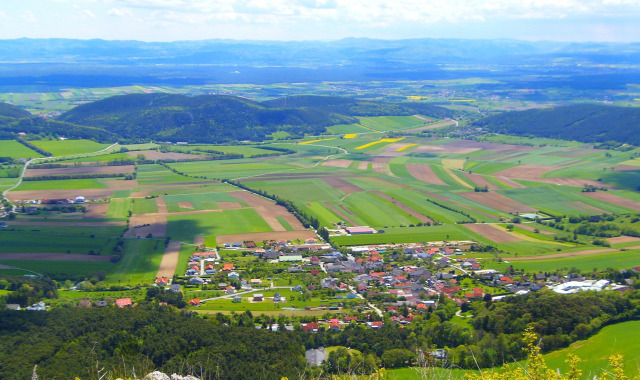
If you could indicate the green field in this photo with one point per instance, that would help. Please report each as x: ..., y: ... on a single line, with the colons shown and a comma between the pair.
x: 140, y: 262
x: 201, y: 201
x: 58, y: 239
x: 186, y: 227
x: 67, y: 184
x: 60, y: 268
x: 406, y: 235
x: 13, y: 149
x: 144, y: 206
x: 68, y: 147
x: 616, y: 260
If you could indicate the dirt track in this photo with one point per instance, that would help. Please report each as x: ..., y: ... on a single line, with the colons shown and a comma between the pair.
x: 492, y: 233
x: 169, y: 261
x: 55, y: 257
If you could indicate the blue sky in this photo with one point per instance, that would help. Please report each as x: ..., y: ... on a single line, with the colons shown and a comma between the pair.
x: 170, y: 20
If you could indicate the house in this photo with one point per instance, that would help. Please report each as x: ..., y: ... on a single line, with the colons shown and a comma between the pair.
x: 40, y: 306
x: 236, y: 244
x: 122, y: 302
x: 227, y: 267
x: 162, y: 281
x: 278, y: 298
x: 196, y: 281
x: 506, y: 280
x: 176, y: 288
x: 255, y: 281
x: 13, y: 306
x: 328, y: 282
x: 290, y: 258
x: 233, y: 276
x: 209, y: 270
x: 351, y: 295
x: 311, y: 241
x: 311, y: 326
x: 100, y: 303
x: 250, y: 244
x: 191, y: 272
x: 258, y: 297
x: 349, y: 319
x: 334, y: 326
x: 194, y: 302
x: 230, y: 290
x: 375, y: 325
x: 237, y: 298
x: 84, y: 304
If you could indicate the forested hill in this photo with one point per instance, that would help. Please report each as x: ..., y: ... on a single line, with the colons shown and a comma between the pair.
x: 583, y: 122
x: 14, y: 120
x: 213, y: 118
x: 355, y: 107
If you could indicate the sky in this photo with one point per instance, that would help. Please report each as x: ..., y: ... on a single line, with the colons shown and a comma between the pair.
x: 171, y: 20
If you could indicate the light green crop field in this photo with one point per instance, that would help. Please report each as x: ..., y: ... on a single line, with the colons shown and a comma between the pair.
x: 245, y: 150
x: 154, y: 174
x: 140, y: 262
x: 615, y: 259
x: 119, y: 208
x: 6, y: 183
x: 314, y: 189
x: 557, y: 200
x: 407, y: 235
x: 103, y: 158
x: 13, y: 149
x: 68, y: 147
x: 347, y: 129
x: 230, y: 168
x: 202, y: 201
x: 144, y: 206
x: 58, y: 239
x: 67, y: 184
x: 392, y: 123
x: 208, y: 188
x: 60, y: 268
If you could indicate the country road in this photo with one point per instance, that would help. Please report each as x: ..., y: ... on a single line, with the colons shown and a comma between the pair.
x: 26, y: 165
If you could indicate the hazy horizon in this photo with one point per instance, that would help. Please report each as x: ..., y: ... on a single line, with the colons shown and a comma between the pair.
x: 322, y: 20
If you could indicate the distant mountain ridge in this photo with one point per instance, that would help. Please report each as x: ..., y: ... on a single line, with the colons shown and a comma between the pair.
x: 582, y: 122
x: 347, y: 51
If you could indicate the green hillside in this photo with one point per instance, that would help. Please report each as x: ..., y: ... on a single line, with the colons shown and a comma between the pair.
x: 583, y: 122
x: 204, y: 118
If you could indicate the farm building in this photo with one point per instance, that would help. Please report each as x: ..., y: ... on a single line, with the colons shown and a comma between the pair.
x: 291, y: 258
x: 360, y: 230
x: 258, y: 297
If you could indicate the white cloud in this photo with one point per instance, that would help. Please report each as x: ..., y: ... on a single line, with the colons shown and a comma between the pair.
x: 119, y: 12
x: 28, y: 16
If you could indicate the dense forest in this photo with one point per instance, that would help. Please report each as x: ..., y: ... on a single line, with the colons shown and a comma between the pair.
x: 583, y: 122
x: 69, y: 342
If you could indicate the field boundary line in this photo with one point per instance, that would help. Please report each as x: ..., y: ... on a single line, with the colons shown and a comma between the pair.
x: 26, y: 165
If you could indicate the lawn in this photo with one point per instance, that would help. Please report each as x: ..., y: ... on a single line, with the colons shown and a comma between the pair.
x: 68, y: 147
x: 144, y: 206
x: 61, y: 268
x: 13, y: 149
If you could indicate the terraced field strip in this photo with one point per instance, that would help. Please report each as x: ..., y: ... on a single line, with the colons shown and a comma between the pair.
x: 509, y: 182
x: 590, y: 209
x: 526, y: 237
x: 169, y: 261
x: 456, y: 178
x: 533, y: 229
x: 405, y: 147
x: 337, y: 163
x: 369, y: 128
x: 563, y: 254
x: 432, y: 126
x: 315, y: 141
x: 481, y: 181
x: 614, y: 199
x: 365, y: 146
x: 623, y: 239
x: 340, y: 214
x: 463, y: 206
x: 364, y: 165
x: 490, y: 232
x: 382, y: 168
x: 498, y: 201
x: 342, y: 185
x: 80, y: 170
x: 268, y: 208
x: 421, y: 217
x: 65, y: 224
x: 424, y: 173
